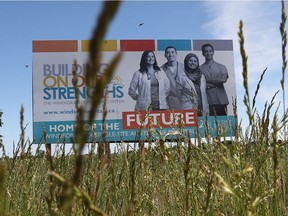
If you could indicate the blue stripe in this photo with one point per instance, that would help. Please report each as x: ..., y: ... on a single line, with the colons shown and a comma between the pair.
x: 180, y: 45
x: 63, y: 131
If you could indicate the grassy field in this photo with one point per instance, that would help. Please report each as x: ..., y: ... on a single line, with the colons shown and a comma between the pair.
x: 247, y: 176
x: 217, y: 179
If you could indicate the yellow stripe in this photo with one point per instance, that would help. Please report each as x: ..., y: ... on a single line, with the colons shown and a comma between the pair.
x: 107, y: 45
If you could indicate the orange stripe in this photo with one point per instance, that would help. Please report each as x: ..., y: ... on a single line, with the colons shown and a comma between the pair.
x: 55, y: 46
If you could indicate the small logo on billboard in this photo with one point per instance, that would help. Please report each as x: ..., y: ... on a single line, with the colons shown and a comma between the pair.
x: 115, y: 89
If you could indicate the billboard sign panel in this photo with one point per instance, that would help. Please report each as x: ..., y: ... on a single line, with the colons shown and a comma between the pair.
x: 168, y: 98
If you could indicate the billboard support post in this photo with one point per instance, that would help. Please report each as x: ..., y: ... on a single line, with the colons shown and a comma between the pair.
x: 142, y: 149
x: 162, y: 149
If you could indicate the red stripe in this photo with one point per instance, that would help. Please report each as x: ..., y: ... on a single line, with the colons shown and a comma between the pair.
x: 137, y: 45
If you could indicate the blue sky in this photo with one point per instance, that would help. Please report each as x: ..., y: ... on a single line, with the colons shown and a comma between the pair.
x: 21, y: 22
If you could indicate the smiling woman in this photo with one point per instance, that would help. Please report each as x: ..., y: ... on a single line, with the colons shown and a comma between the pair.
x: 149, y: 85
x: 193, y: 89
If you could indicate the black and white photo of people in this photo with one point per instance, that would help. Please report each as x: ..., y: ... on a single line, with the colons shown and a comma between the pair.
x: 173, y: 70
x: 149, y: 86
x: 180, y: 85
x: 216, y: 75
x: 192, y: 88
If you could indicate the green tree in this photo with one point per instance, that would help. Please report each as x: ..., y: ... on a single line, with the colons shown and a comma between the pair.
x: 1, y: 123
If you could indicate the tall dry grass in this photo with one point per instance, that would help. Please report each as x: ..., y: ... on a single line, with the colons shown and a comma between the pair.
x: 245, y: 177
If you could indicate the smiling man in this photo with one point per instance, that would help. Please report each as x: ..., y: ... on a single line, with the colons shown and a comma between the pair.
x: 172, y: 68
x: 216, y: 75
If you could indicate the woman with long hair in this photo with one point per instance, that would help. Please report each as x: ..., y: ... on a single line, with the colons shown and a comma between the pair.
x: 149, y: 85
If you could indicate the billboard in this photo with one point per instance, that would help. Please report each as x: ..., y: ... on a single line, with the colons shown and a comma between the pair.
x: 154, y: 92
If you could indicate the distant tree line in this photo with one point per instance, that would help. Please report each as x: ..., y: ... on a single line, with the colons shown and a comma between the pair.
x: 1, y: 123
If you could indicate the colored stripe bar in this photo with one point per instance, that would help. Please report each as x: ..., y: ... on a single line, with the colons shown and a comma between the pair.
x: 137, y: 45
x: 55, y: 46
x: 220, y: 45
x: 107, y: 45
x: 180, y: 45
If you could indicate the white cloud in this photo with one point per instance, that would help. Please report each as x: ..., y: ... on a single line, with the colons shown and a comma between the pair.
x: 261, y: 30
x: 262, y: 42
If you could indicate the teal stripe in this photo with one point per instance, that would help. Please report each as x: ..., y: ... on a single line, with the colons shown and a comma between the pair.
x: 180, y: 45
x: 63, y: 131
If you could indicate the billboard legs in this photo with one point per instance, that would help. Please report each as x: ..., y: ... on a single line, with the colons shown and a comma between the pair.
x: 107, y: 151
x: 162, y: 148
x: 104, y: 150
x: 142, y: 149
x: 49, y: 155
